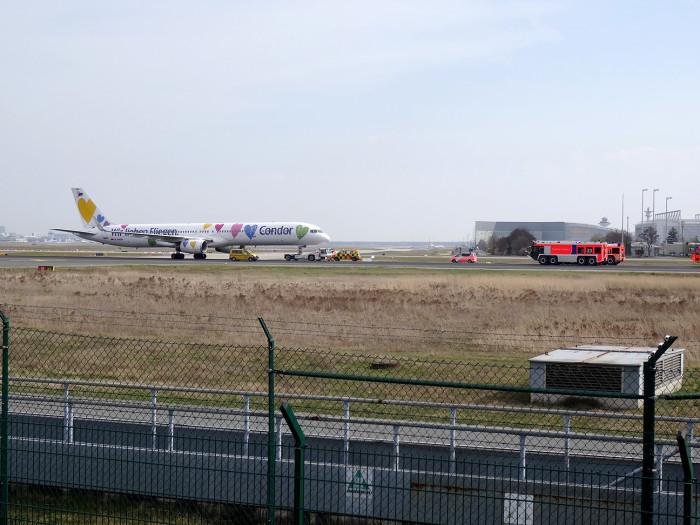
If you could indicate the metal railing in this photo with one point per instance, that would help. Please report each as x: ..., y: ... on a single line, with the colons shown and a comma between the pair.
x: 398, y: 429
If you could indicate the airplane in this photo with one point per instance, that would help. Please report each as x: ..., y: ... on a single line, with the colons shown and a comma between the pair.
x: 192, y: 238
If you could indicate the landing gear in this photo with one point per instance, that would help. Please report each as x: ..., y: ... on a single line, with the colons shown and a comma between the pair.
x: 200, y: 255
x: 177, y: 255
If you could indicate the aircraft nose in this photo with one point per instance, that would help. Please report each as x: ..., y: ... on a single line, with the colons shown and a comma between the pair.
x: 326, y: 237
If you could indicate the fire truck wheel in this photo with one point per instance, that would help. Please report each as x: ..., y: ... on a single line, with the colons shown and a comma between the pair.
x: 312, y: 257
x: 591, y: 261
x: 581, y: 260
x: 552, y: 260
x: 542, y: 259
x: 611, y: 260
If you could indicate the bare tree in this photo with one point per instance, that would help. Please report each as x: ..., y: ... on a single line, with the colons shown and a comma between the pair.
x: 650, y: 237
x: 616, y: 236
x: 516, y: 243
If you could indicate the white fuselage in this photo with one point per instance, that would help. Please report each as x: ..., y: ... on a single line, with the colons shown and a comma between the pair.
x: 216, y: 234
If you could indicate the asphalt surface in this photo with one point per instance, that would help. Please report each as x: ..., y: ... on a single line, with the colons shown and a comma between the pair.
x: 81, y: 261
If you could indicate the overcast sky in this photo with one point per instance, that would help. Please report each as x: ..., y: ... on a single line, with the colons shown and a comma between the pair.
x: 381, y: 120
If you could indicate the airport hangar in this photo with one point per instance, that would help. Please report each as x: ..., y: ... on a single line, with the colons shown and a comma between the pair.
x: 542, y: 231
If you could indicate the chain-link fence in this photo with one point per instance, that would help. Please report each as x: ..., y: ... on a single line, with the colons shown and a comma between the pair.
x: 106, y: 429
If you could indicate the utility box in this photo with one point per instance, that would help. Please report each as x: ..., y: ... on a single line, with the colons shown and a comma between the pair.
x: 614, y: 369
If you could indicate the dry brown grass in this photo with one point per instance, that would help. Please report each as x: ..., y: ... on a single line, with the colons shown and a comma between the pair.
x: 462, y: 315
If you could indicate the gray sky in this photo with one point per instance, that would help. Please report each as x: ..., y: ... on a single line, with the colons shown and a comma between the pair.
x: 381, y: 120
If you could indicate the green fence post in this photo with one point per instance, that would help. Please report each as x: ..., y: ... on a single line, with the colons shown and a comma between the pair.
x: 648, y: 470
x: 4, y: 476
x: 299, y: 448
x: 689, y: 478
x: 271, y: 424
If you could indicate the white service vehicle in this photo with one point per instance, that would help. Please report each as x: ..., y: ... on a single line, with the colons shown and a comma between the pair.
x: 320, y: 254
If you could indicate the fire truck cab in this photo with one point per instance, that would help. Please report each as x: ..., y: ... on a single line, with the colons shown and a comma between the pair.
x: 695, y: 256
x: 616, y: 252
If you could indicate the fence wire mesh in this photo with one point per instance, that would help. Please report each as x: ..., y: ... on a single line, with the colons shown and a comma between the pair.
x: 106, y: 429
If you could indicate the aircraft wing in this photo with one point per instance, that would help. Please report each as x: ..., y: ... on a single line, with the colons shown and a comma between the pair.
x: 164, y: 238
x: 75, y: 232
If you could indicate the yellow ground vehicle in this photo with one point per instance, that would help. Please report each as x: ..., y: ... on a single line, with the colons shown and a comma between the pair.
x: 241, y: 254
x: 346, y: 255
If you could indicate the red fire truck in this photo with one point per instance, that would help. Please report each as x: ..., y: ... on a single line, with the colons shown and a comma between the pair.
x: 695, y: 256
x: 567, y: 252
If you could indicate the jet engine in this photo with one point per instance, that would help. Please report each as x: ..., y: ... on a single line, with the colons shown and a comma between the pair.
x: 195, y: 246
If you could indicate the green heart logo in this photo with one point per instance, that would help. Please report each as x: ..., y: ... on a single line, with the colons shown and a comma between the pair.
x: 301, y: 231
x: 151, y: 242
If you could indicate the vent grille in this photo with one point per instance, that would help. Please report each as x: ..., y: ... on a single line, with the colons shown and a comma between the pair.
x: 584, y: 377
x: 669, y: 370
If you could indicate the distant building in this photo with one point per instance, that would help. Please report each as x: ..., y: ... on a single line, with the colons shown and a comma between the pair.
x: 687, y: 229
x: 542, y: 231
x: 2, y: 230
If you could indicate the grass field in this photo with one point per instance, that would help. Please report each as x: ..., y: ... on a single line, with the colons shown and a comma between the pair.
x: 463, y: 315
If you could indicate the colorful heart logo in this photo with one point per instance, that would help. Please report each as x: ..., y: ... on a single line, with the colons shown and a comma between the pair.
x: 192, y: 243
x: 151, y: 242
x: 236, y: 229
x: 218, y: 227
x: 86, y: 209
x: 106, y: 223
x: 207, y: 225
x: 100, y: 217
x: 250, y: 230
x: 301, y: 231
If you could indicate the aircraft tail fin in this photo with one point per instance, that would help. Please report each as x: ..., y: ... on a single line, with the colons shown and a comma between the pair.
x: 90, y: 214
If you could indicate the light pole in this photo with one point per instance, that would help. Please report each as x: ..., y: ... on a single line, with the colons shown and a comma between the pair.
x: 645, y: 189
x: 653, y: 208
x: 666, y: 228
x: 622, y: 226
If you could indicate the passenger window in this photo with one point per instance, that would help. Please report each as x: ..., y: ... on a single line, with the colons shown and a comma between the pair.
x: 597, y: 249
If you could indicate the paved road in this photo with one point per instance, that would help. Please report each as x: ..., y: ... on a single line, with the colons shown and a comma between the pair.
x: 60, y: 261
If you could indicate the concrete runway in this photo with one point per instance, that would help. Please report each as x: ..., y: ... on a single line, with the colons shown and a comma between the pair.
x: 81, y: 261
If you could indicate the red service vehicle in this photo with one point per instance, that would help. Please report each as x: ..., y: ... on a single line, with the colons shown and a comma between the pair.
x: 695, y: 256
x: 567, y: 252
x: 464, y: 257
x: 616, y: 252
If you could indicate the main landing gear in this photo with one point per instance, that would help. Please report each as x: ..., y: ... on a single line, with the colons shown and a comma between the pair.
x: 180, y: 255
